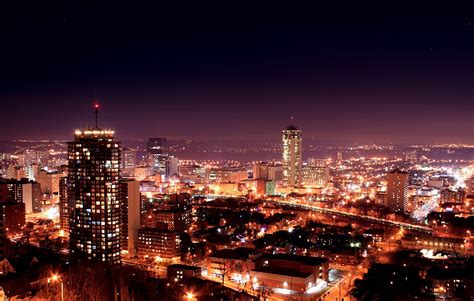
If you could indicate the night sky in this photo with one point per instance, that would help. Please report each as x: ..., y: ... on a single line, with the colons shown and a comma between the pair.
x: 348, y: 73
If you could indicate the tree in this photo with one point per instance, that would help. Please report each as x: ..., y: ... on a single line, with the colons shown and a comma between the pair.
x: 223, y: 271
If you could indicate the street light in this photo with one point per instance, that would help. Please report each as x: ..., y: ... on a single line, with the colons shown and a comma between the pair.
x: 54, y: 278
x: 190, y: 296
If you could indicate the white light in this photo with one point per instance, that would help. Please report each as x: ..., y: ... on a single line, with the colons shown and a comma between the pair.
x: 52, y: 213
x: 317, y: 288
x: 282, y: 291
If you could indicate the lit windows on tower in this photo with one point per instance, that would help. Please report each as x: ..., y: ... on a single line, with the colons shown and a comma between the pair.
x: 292, y: 140
x: 93, y: 193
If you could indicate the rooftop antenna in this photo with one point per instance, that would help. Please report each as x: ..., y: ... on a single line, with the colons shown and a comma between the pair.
x: 96, y: 109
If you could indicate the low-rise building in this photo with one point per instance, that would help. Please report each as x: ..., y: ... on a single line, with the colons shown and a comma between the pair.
x: 233, y: 264
x: 291, y: 273
x: 158, y: 243
x: 181, y: 273
x: 13, y: 216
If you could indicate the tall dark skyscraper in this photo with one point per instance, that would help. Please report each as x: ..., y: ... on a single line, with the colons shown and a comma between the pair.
x: 93, y: 192
x: 158, y: 154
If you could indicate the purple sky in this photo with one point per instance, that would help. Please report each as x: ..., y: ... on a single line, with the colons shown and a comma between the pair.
x: 346, y: 73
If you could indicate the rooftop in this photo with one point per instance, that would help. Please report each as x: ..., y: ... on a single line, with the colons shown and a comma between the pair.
x: 93, y: 132
x: 282, y: 271
x: 291, y: 128
x: 238, y: 253
x: 307, y: 260
x: 184, y: 267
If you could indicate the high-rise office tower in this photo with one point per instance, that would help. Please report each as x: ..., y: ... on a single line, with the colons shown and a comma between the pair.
x: 130, y: 198
x: 12, y: 190
x: 63, y: 205
x: 49, y: 181
x: 158, y: 154
x: 31, y: 171
x: 292, y: 139
x: 171, y: 166
x: 32, y: 197
x: 397, y: 190
x: 129, y: 161
x: 93, y: 192
x: 22, y: 191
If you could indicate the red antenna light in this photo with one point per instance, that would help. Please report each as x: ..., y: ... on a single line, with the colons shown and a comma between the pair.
x: 96, y: 107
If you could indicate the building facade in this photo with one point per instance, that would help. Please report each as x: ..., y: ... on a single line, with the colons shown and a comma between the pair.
x: 14, y: 216
x: 315, y: 173
x: 292, y: 141
x: 158, y: 154
x: 397, y: 190
x: 159, y: 244
x: 49, y: 181
x: 129, y: 161
x: 93, y: 193
x: 181, y: 273
x: 22, y: 191
x: 64, y: 205
x: 130, y: 198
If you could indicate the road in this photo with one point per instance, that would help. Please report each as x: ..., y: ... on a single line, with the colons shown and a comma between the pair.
x: 341, y: 213
x: 340, y: 289
x: 355, y: 216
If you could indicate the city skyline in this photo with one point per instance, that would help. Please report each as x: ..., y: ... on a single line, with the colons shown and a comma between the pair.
x: 393, y: 76
x: 231, y: 151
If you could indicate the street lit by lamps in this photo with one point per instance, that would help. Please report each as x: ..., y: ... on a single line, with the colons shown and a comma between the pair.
x: 54, y: 278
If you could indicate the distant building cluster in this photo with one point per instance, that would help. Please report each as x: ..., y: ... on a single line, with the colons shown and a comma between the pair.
x: 275, y: 226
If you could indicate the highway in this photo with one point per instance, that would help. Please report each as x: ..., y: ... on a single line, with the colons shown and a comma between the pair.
x: 354, y: 216
x: 335, y: 212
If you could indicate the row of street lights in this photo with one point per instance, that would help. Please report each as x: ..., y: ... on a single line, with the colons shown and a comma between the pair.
x: 55, y: 277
